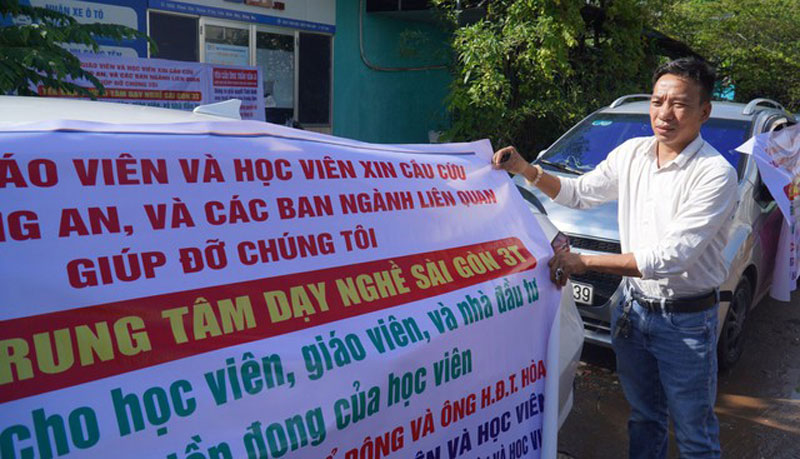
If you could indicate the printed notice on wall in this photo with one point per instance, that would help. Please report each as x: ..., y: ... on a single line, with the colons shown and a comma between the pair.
x: 171, y: 84
x: 231, y: 290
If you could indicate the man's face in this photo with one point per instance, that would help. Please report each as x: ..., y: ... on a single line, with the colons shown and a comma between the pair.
x: 677, y: 111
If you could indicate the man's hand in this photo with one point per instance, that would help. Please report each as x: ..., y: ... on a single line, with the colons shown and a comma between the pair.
x: 565, y: 264
x: 509, y: 160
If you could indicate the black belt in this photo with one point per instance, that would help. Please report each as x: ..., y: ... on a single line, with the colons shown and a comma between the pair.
x: 686, y: 304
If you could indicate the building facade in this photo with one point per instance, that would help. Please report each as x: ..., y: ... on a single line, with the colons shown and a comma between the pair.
x: 390, y: 81
x: 364, y: 69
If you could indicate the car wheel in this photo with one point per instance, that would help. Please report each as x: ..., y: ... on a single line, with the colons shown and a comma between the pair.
x: 731, y: 340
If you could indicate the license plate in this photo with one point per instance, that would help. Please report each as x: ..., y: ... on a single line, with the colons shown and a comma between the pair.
x: 583, y: 293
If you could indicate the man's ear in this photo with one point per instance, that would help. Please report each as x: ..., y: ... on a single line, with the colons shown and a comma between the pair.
x: 706, y: 110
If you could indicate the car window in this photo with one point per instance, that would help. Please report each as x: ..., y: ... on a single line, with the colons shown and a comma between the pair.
x: 591, y: 141
x: 725, y: 136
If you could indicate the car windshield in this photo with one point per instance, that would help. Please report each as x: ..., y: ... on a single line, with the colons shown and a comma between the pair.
x: 591, y: 141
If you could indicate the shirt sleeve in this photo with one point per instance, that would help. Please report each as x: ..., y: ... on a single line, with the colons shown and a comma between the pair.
x: 595, y: 187
x: 695, y: 226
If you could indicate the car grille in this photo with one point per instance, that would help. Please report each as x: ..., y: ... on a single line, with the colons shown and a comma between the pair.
x: 604, y: 285
x: 598, y: 326
x: 594, y: 244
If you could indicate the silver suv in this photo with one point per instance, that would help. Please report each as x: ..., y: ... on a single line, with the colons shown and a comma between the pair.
x: 753, y: 232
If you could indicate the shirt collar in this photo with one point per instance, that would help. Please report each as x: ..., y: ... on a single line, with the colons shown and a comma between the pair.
x: 685, y: 155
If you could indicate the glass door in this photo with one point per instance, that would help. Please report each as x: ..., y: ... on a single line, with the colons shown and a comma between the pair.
x: 225, y: 43
x: 275, y: 55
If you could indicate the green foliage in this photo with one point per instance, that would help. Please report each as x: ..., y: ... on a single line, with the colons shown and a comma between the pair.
x: 529, y: 69
x: 754, y: 44
x: 32, y: 53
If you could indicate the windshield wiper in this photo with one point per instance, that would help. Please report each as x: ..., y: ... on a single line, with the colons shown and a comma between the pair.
x: 560, y: 167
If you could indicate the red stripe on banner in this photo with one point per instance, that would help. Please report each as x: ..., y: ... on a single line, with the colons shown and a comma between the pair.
x: 61, y: 349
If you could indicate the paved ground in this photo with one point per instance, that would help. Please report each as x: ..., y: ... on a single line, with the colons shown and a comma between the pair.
x: 758, y: 403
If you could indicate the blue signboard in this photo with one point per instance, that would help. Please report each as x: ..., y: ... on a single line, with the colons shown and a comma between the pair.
x: 131, y: 13
x: 236, y: 15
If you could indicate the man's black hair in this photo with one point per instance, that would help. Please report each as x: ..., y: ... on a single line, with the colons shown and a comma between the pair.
x: 692, y: 69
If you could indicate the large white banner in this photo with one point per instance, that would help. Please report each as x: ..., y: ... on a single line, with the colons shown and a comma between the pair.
x: 230, y: 290
x: 777, y: 155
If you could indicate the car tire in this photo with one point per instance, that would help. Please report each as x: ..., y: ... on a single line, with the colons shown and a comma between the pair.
x: 731, y: 339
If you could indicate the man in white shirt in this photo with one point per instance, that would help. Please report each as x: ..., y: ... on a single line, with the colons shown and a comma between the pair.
x: 675, y: 194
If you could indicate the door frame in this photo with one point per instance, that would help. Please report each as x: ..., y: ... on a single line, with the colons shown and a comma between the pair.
x: 206, y: 21
x: 295, y: 34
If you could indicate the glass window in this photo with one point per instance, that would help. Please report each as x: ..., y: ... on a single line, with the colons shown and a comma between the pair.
x: 596, y: 136
x: 397, y: 5
x: 227, y: 45
x: 275, y: 57
x: 315, y: 79
x: 176, y: 36
x: 382, y: 5
x: 725, y: 136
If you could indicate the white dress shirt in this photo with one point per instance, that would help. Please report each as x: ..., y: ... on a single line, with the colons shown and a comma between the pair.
x: 673, y: 218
